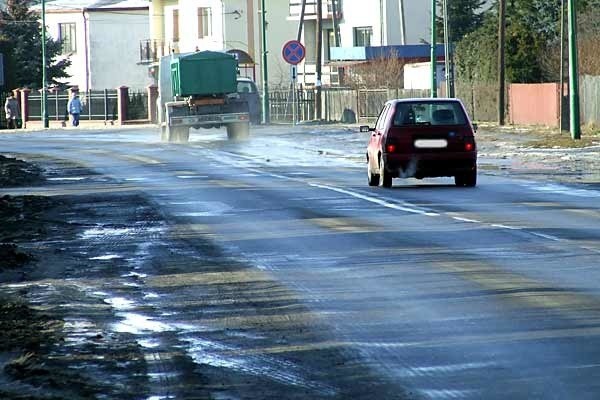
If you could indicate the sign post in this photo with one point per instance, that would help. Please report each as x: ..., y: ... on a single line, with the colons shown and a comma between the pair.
x: 293, y: 53
x: 294, y: 76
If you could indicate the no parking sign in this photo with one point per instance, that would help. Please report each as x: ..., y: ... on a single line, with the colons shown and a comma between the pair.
x: 293, y: 52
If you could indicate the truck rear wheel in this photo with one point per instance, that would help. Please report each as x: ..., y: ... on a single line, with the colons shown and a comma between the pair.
x: 163, y: 134
x: 238, y: 130
x: 179, y: 134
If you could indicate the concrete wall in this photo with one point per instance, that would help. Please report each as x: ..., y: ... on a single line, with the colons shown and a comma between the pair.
x: 418, y: 20
x: 355, y: 15
x: 114, y: 40
x: 534, y: 104
x: 109, y: 57
x: 236, y: 25
x: 77, y: 70
x: 590, y: 95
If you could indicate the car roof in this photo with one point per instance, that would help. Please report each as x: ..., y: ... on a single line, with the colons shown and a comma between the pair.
x: 426, y: 100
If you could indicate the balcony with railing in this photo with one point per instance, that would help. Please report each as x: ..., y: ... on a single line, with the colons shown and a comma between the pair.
x: 151, y: 50
x: 310, y: 10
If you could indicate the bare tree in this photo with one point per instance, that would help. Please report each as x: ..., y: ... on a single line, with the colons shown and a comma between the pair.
x: 387, y: 72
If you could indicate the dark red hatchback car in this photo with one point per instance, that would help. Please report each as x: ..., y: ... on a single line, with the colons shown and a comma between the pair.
x: 420, y: 138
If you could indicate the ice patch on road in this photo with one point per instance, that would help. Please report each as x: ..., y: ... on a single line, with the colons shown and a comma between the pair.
x: 99, y: 232
x: 447, y: 394
x: 73, y: 178
x: 137, y: 324
x: 564, y: 190
x: 106, y: 257
x: 120, y: 303
x: 206, y: 352
x: 442, y: 369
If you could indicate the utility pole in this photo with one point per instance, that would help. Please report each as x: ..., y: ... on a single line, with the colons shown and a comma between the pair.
x: 265, y: 73
x: 319, y: 46
x: 433, y: 50
x: 336, y: 28
x: 447, y: 51
x: 301, y: 23
x: 501, y: 61
x: 402, y: 22
x: 44, y: 68
x: 573, y: 73
x: 563, y: 126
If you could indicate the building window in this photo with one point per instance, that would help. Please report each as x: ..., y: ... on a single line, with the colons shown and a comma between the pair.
x: 66, y: 36
x: 204, y: 22
x: 362, y: 36
x: 175, y: 25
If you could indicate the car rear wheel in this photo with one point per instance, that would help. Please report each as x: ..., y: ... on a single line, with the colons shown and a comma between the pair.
x: 372, y: 178
x: 385, y: 177
x: 468, y: 179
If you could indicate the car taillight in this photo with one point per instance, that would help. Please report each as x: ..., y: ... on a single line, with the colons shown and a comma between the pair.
x: 390, y: 148
x: 469, y: 146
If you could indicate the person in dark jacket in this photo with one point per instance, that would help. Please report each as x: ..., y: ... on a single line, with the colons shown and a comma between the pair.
x: 74, y: 108
x: 11, y: 109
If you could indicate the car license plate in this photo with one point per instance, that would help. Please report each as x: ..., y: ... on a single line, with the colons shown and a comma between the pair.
x: 431, y: 143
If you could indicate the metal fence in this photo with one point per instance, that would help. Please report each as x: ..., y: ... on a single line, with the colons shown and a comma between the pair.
x: 98, y: 105
x: 3, y: 97
x: 337, y: 103
x: 137, y: 106
x: 480, y: 99
x: 590, y: 99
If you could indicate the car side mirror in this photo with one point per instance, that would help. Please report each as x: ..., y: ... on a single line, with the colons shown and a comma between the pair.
x: 475, y: 127
x: 366, y: 128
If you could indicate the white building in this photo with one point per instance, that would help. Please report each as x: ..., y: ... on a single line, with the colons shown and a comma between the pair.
x: 101, y: 38
x: 182, y: 26
x: 361, y: 24
x: 378, y: 24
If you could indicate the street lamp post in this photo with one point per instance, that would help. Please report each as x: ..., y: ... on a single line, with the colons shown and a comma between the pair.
x: 44, y: 63
x: 265, y: 74
x: 501, y: 61
x: 433, y: 50
x: 447, y: 65
x: 573, y: 73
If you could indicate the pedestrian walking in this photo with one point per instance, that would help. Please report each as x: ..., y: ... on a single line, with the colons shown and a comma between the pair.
x: 74, y: 108
x: 11, y: 109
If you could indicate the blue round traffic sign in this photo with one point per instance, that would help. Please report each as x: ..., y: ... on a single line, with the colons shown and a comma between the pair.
x: 293, y: 52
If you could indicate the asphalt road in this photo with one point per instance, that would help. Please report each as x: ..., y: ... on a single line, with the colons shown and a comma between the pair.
x: 434, y: 291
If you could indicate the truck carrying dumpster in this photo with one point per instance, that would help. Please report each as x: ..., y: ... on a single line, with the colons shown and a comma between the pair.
x: 200, y: 90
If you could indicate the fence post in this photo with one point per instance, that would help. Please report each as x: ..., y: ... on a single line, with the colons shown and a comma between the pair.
x: 152, y: 107
x: 55, y: 90
x: 105, y: 106
x: 358, y: 113
x: 25, y: 106
x: 89, y: 104
x: 122, y: 99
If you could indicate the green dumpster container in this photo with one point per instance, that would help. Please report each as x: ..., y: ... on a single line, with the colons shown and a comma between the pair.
x: 204, y: 73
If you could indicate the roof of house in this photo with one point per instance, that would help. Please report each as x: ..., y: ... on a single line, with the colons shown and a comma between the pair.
x: 70, y: 5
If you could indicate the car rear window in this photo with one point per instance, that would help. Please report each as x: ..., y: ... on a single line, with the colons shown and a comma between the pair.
x: 429, y: 113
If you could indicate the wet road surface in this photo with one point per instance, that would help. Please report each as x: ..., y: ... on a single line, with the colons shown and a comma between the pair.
x: 272, y: 258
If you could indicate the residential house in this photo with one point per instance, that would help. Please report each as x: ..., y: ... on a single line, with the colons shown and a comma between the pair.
x: 360, y: 26
x: 179, y: 26
x: 101, y: 37
x: 383, y: 23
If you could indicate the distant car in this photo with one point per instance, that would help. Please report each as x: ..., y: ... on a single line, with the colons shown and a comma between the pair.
x: 422, y: 138
x: 248, y: 91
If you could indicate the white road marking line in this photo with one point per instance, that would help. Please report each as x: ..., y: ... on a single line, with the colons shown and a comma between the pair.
x: 501, y: 226
x: 376, y: 200
x: 549, y: 237
x: 473, y: 221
